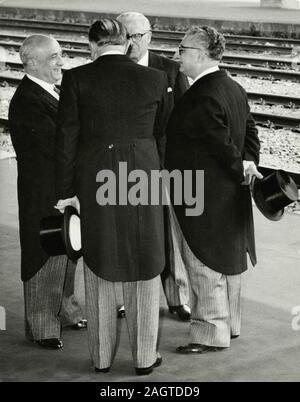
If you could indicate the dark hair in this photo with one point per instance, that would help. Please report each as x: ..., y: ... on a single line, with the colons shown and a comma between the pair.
x: 107, y: 31
x: 212, y: 40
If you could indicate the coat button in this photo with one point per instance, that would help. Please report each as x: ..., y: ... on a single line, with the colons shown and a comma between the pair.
x: 111, y: 146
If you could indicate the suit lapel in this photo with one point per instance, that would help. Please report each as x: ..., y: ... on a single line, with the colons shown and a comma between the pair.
x: 41, y: 92
x: 155, y: 61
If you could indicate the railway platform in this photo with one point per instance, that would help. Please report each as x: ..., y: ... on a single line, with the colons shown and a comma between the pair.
x: 268, y: 350
x: 243, y: 16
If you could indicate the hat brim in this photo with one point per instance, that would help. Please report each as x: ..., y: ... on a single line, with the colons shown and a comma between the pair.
x: 262, y: 204
x: 70, y: 251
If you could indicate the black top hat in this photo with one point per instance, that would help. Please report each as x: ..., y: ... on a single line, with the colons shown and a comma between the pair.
x: 61, y: 234
x: 273, y: 193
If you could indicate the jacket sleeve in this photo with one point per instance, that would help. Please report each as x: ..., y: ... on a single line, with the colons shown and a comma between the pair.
x: 252, y: 143
x: 207, y: 124
x: 67, y: 136
x: 161, y: 119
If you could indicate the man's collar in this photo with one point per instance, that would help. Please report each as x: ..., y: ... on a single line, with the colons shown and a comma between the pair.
x: 206, y: 72
x: 144, y: 60
x: 45, y: 85
x: 111, y: 52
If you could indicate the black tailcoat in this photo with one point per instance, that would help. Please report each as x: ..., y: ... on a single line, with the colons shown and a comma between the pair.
x: 32, y: 121
x: 211, y: 129
x: 111, y: 111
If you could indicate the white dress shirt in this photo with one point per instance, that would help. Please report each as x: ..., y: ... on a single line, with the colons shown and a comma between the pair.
x: 45, y: 85
x: 109, y: 52
x: 144, y: 60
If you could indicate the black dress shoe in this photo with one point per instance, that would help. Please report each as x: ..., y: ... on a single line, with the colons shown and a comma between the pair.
x: 235, y: 336
x: 82, y: 324
x: 52, y: 343
x: 104, y: 370
x: 148, y: 370
x: 121, y: 312
x: 195, y: 348
x: 183, y: 312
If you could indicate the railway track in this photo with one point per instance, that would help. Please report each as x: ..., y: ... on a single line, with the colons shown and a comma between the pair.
x: 263, y: 119
x: 259, y: 98
x: 233, y: 69
x: 171, y: 37
x: 73, y: 48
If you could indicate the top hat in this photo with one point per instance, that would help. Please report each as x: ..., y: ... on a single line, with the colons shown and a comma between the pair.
x: 273, y: 193
x: 60, y: 234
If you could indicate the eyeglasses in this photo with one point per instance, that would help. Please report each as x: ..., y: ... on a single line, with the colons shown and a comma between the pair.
x: 182, y: 48
x: 137, y: 37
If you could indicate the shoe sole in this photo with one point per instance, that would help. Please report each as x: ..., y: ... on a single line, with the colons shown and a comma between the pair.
x: 202, y: 352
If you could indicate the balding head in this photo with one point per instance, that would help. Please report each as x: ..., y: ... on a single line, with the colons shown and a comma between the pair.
x: 139, y: 32
x: 41, y: 57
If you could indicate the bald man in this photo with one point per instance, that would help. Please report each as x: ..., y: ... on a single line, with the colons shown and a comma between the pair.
x: 48, y: 281
x: 174, y: 279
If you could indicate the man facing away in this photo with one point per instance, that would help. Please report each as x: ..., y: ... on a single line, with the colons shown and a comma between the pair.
x: 48, y: 281
x: 174, y: 279
x: 212, y: 130
x: 114, y: 111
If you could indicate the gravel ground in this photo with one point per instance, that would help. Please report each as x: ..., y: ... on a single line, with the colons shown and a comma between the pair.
x: 277, y: 110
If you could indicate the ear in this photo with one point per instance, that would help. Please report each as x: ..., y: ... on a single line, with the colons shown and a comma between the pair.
x: 32, y: 64
x: 149, y: 36
x: 200, y: 56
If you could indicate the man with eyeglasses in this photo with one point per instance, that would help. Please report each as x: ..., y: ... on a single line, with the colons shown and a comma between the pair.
x: 139, y: 35
x: 212, y: 130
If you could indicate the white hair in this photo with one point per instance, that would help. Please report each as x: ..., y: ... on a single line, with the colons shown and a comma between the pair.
x: 28, y: 49
x: 133, y: 16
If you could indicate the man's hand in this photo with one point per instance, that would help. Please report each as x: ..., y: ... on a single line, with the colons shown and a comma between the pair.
x: 62, y: 204
x: 250, y: 171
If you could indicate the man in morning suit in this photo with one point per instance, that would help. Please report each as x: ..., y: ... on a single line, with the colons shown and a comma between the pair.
x: 48, y: 281
x: 114, y: 111
x: 174, y: 279
x: 211, y: 129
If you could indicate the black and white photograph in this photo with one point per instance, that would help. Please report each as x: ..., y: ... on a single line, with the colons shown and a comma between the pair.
x: 149, y: 194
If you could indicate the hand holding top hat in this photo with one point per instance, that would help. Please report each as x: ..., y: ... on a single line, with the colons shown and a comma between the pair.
x: 250, y: 172
x: 73, y: 202
x: 273, y: 193
x: 61, y: 235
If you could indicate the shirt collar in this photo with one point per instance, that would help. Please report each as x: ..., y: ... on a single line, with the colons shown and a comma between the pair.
x: 144, y: 60
x: 110, y: 52
x: 45, y: 85
x: 206, y: 72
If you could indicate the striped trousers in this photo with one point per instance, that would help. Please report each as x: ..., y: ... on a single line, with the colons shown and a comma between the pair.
x: 49, y: 299
x: 141, y: 301
x: 174, y: 277
x: 215, y: 298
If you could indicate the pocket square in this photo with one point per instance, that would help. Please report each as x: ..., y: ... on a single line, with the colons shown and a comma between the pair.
x: 170, y: 89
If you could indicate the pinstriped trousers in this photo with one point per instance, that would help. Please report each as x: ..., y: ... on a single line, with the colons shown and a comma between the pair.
x: 50, y: 301
x: 174, y: 277
x: 215, y: 298
x: 141, y: 301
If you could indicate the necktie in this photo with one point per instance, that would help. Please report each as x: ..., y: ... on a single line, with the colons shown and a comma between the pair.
x: 55, y: 89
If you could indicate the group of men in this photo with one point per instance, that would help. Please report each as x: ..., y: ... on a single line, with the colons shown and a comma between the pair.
x: 131, y: 105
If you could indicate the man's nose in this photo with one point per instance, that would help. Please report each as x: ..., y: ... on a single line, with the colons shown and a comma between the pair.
x: 60, y: 61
